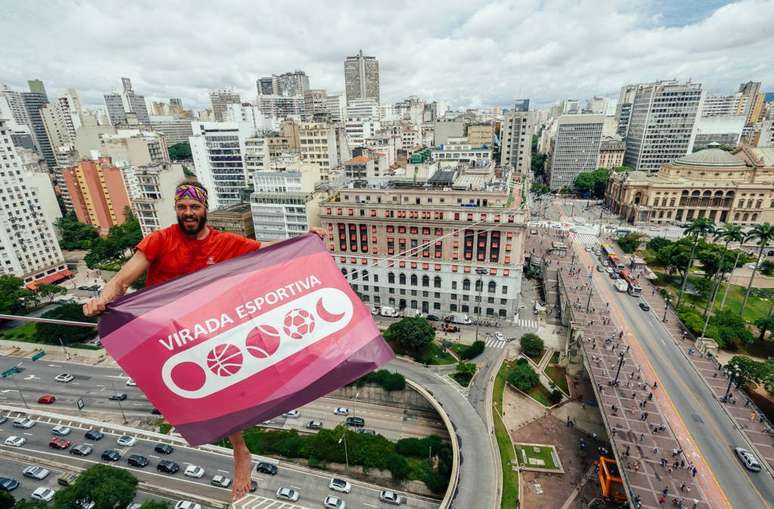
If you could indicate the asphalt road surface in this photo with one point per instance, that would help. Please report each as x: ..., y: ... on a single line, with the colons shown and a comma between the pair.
x: 712, y: 431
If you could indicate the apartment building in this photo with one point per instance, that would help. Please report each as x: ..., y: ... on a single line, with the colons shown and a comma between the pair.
x: 234, y: 219
x: 154, y: 201
x: 317, y: 141
x: 575, y: 148
x: 611, y: 152
x: 516, y: 140
x: 98, y: 193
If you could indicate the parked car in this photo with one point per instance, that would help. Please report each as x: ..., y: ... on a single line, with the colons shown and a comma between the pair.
x: 266, y: 468
x: 46, y: 399
x: 95, y: 435
x: 126, y: 441
x: 356, y: 422
x: 66, y: 479
x: 61, y: 430
x: 365, y: 431
x: 130, y: 383
x: 390, y: 497
x: 64, y: 378
x: 8, y: 484
x: 3, y: 419
x: 59, y: 443
x: 289, y: 494
x: 168, y: 467
x: 35, y: 472
x: 111, y: 455
x: 119, y: 396
x: 314, y: 425
x: 163, y: 448
x: 292, y: 414
x: 43, y: 494
x: 23, y: 422
x: 138, y: 460
x: 187, y: 504
x: 334, y: 503
x: 14, y: 441
x: 194, y: 471
x: 341, y: 411
x: 221, y: 481
x: 85, y: 503
x: 433, y: 318
x: 340, y: 485
x: 748, y: 459
x: 81, y: 450
x: 644, y: 306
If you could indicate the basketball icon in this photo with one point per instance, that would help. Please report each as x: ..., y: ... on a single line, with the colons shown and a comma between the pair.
x: 298, y: 323
x: 262, y: 341
x: 224, y: 360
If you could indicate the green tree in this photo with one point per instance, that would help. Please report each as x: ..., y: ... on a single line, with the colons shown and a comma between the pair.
x: 50, y: 332
x: 108, y: 487
x: 764, y: 324
x: 767, y: 267
x: 731, y: 329
x: 531, y: 345
x: 555, y: 396
x: 539, y: 188
x: 29, y: 504
x: 6, y: 500
x: 118, y: 244
x: 411, y: 335
x: 473, y: 350
x: 522, y: 376
x: 656, y: 244
x: 696, y: 229
x: 674, y: 257
x: 154, y: 504
x: 14, y: 297
x: 763, y: 235
x: 74, y: 234
x: 592, y: 183
x: 398, y: 466
x: 630, y: 242
x: 180, y: 151
x: 729, y: 233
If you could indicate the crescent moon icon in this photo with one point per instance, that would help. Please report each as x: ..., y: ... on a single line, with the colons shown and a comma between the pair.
x: 325, y: 315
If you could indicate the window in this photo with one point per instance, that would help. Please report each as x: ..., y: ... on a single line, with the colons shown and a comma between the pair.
x: 504, y: 289
x: 425, y: 281
x: 390, y: 278
x: 402, y: 278
x: 466, y: 284
x: 479, y: 285
x: 492, y: 287
x: 413, y: 280
x: 437, y: 282
x: 454, y: 285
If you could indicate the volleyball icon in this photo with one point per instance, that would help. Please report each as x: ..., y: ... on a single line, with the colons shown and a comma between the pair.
x: 298, y: 323
x: 224, y: 360
x: 262, y: 341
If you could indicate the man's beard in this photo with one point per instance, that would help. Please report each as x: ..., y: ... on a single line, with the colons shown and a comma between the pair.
x: 192, y: 230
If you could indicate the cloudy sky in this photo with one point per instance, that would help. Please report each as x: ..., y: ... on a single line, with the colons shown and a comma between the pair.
x: 465, y: 52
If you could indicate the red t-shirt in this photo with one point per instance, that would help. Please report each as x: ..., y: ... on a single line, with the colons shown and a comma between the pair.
x: 172, y: 253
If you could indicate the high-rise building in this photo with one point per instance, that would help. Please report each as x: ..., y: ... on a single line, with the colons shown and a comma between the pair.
x: 220, y: 99
x: 175, y: 130
x: 132, y: 108
x: 336, y: 106
x: 597, y: 105
x: 317, y: 141
x: 448, y: 128
x: 516, y: 140
x: 98, y: 193
x: 662, y: 125
x: 288, y: 84
x: 133, y: 147
x: 281, y: 106
x: 60, y: 131
x: 623, y: 108
x: 218, y: 150
x: 314, y: 102
x: 16, y: 106
x: 267, y: 86
x: 361, y: 77
x: 576, y: 148
x: 236, y: 219
x: 28, y: 246
x: 115, y: 109
x: 34, y: 100
x: 723, y: 105
x: 153, y: 202
x: 755, y: 101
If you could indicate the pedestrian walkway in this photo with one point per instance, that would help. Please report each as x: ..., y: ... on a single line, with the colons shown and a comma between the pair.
x: 527, y: 323
x: 586, y: 239
x: 496, y: 343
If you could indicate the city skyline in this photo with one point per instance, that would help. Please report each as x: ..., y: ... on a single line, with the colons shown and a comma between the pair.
x: 479, y: 55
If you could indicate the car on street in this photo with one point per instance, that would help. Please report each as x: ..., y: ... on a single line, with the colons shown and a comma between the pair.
x: 126, y: 441
x: 46, y: 399
x: 134, y: 505
x: 15, y: 441
x: 3, y: 419
x: 366, y: 431
x: 292, y: 414
x: 341, y: 411
x: 35, y: 472
x: 499, y: 336
x: 23, y: 422
x: 194, y: 471
x: 138, y: 460
x: 340, y: 485
x: 168, y: 467
x: 81, y: 450
x: 644, y: 306
x: 95, y: 435
x: 433, y: 318
x: 187, y: 504
x: 600, y: 268
x: 43, y: 494
x: 314, y: 425
x: 61, y: 430
x: 8, y: 484
x: 119, y: 396
x: 748, y: 459
x: 334, y: 503
x: 59, y: 443
x: 163, y: 448
x: 130, y: 383
x: 355, y: 422
x: 111, y: 455
x: 289, y: 494
x: 66, y: 479
x: 390, y: 497
x: 221, y: 481
x: 266, y: 468
x: 64, y: 378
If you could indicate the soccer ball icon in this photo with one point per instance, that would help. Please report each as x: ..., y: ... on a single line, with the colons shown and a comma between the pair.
x: 298, y: 323
x: 224, y: 360
x: 262, y: 341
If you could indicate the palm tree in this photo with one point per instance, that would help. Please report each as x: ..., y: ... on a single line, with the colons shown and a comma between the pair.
x: 730, y: 233
x: 764, y: 233
x: 698, y: 228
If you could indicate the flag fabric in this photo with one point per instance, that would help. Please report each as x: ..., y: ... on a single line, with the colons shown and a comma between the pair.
x: 245, y: 340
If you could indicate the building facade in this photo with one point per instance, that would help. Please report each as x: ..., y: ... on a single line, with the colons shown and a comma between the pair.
x: 218, y: 149
x: 33, y: 102
x: 154, y: 201
x: 576, y: 148
x: 361, y: 77
x: 175, y: 130
x: 726, y: 187
x: 234, y: 219
x: 317, y: 141
x: 98, y: 193
x: 127, y: 107
x: 220, y: 99
x: 611, y: 152
x: 421, y: 249
x: 314, y: 102
x: 516, y: 140
x: 481, y: 134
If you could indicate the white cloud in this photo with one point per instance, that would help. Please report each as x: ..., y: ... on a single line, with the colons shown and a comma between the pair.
x: 467, y: 53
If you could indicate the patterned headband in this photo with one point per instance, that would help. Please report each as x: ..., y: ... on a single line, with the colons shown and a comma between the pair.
x: 192, y: 192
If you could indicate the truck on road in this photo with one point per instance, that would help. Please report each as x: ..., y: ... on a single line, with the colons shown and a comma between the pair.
x: 388, y: 311
x: 621, y: 285
x: 459, y: 318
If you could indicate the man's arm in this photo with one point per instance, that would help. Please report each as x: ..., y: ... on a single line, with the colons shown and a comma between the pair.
x: 116, y: 287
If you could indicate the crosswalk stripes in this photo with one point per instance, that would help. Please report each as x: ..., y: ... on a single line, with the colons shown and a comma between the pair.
x: 587, y: 239
x: 526, y: 323
x: 495, y: 343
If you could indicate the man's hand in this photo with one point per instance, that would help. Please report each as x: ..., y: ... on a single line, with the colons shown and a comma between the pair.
x: 320, y: 232
x: 95, y: 306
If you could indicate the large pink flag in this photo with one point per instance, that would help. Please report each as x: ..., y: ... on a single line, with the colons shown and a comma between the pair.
x: 244, y: 340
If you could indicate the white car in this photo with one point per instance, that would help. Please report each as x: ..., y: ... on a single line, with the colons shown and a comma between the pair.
x: 15, y: 441
x: 390, y: 497
x: 221, y: 481
x: 340, y: 485
x: 35, y: 472
x: 131, y: 383
x: 23, y: 422
x: 334, y: 503
x: 292, y: 413
x: 341, y: 411
x: 61, y: 430
x: 126, y: 441
x: 194, y: 471
x: 499, y: 336
x: 43, y: 494
x: 187, y: 504
x: 134, y: 505
x: 288, y: 494
x: 64, y: 378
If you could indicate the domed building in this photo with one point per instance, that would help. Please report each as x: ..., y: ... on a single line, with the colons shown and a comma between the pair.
x: 727, y: 187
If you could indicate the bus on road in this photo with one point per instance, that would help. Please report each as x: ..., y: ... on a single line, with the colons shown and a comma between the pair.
x: 635, y: 290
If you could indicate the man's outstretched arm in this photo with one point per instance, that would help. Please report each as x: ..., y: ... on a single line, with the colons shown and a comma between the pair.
x: 117, y: 286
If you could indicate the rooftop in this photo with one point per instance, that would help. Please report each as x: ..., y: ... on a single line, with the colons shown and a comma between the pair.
x: 712, y: 157
x: 358, y: 160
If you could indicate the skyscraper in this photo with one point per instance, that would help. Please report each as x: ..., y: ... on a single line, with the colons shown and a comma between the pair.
x: 516, y: 138
x: 288, y: 84
x: 16, y: 105
x: 121, y: 107
x: 361, y: 77
x: 662, y: 124
x: 576, y: 148
x: 220, y: 99
x: 623, y: 109
x: 33, y: 101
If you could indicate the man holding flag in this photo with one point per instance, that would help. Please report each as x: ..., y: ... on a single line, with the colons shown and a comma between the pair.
x: 181, y: 249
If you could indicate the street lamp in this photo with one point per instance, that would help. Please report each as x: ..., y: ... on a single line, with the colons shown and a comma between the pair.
x: 480, y: 271
x: 620, y: 363
x: 667, y: 302
x: 120, y: 406
x: 346, y: 454
x: 61, y: 343
x: 732, y: 372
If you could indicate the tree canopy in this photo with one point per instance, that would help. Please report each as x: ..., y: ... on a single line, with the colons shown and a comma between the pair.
x: 50, y: 332
x: 14, y: 297
x: 522, y: 376
x: 531, y: 345
x: 592, y: 183
x: 108, y: 487
x: 411, y: 335
x: 180, y: 151
x: 121, y: 239
x: 630, y: 242
x: 75, y: 235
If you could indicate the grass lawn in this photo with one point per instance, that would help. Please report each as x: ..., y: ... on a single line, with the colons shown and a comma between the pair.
x: 557, y: 374
x: 458, y: 348
x: 540, y: 394
x: 535, y: 452
x: 436, y: 355
x: 510, y: 478
x: 554, y: 358
x: 25, y: 332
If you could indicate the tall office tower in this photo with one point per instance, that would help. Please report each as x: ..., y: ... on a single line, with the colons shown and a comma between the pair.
x: 367, y: 109
x: 293, y: 83
x: 33, y: 101
x: 220, y: 99
x: 576, y: 148
x: 521, y: 105
x: 60, y: 131
x: 127, y: 107
x: 662, y: 125
x: 754, y: 107
x: 176, y: 105
x: 218, y: 150
x: 597, y: 105
x: 623, y: 109
x: 115, y: 109
x: 15, y: 103
x: 98, y: 193
x: 516, y: 140
x: 361, y: 77
x: 281, y: 106
x: 336, y: 106
x: 28, y: 246
x: 314, y: 102
x: 267, y: 85
x: 318, y: 145
x: 723, y: 105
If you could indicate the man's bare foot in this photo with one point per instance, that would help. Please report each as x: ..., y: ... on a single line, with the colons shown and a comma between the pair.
x: 242, y: 466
